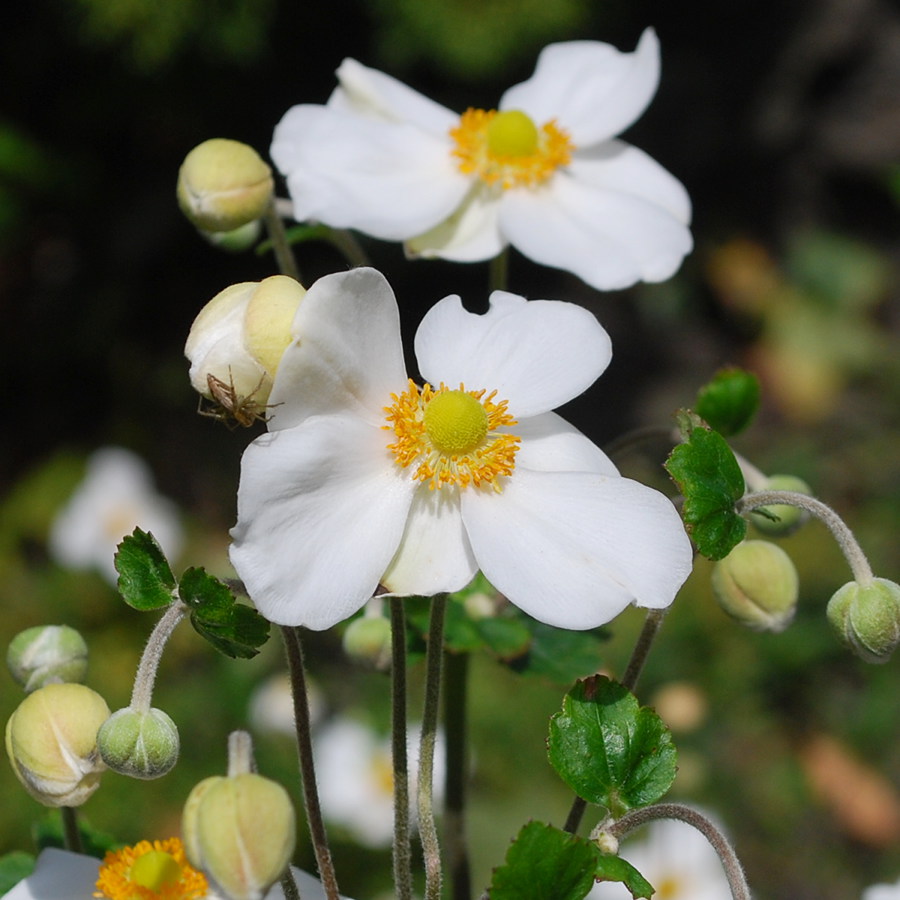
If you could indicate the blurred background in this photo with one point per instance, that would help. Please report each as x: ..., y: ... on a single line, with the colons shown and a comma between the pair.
x: 782, y: 120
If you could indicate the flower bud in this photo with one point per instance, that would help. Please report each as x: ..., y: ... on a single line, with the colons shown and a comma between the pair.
x: 757, y: 584
x: 47, y: 654
x: 240, y: 830
x: 239, y: 337
x: 867, y: 618
x: 51, y: 739
x: 224, y: 184
x: 139, y: 744
x: 367, y: 640
x: 790, y: 518
x: 237, y: 240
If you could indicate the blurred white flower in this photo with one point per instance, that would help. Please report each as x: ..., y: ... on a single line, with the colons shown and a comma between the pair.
x: 355, y: 775
x: 272, y: 705
x: 116, y: 495
x: 677, y: 860
x: 544, y: 172
x: 882, y: 892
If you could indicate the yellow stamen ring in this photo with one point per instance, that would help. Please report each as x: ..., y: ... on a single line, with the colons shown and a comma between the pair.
x: 451, y: 436
x: 150, y: 871
x: 508, y: 149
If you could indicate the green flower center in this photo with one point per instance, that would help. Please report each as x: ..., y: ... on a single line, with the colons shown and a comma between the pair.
x: 456, y: 422
x: 155, y: 870
x: 512, y: 133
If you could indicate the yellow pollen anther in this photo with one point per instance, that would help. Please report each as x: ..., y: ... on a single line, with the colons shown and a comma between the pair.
x: 451, y: 436
x: 157, y: 871
x: 508, y: 149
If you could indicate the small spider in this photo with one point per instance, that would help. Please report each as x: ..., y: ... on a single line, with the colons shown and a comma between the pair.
x: 230, y: 407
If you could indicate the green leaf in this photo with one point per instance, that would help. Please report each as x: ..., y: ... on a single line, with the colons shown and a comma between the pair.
x: 13, y: 868
x: 560, y: 655
x: 545, y: 863
x: 614, y: 868
x: 710, y: 479
x: 145, y: 577
x: 609, y: 749
x: 729, y: 402
x: 232, y: 628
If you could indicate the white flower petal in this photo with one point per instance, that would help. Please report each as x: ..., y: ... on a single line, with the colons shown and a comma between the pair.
x: 537, y: 354
x: 434, y: 554
x: 58, y: 875
x: 609, y: 239
x: 392, y: 180
x: 551, y: 444
x: 470, y: 234
x: 321, y: 509
x: 574, y: 549
x: 347, y: 355
x: 372, y: 93
x: 593, y: 90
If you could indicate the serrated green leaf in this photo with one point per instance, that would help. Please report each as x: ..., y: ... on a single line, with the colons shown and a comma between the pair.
x: 710, y: 479
x: 545, y: 863
x: 609, y: 749
x: 614, y: 868
x: 729, y: 401
x: 145, y: 577
x: 232, y: 628
x: 13, y: 868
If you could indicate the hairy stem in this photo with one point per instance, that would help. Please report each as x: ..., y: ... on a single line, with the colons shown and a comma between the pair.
x: 456, y: 672
x: 145, y: 677
x: 402, y: 851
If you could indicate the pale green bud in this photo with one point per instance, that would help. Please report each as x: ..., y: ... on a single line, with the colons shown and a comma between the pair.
x: 757, y: 584
x: 240, y: 831
x: 51, y: 740
x: 239, y: 337
x: 867, y: 618
x: 224, y: 184
x: 47, y: 654
x: 238, y: 240
x: 367, y: 640
x: 139, y: 744
x: 790, y: 518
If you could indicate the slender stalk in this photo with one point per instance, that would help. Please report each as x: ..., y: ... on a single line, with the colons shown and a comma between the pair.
x: 425, y: 796
x: 856, y: 559
x: 402, y: 850
x: 287, y: 265
x: 71, y: 834
x: 456, y: 680
x: 350, y: 248
x: 733, y: 870
x: 639, y: 655
x: 289, y: 886
x: 240, y: 754
x: 498, y: 274
x: 294, y: 651
x: 145, y: 677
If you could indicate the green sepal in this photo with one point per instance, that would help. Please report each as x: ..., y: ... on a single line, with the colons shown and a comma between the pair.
x: 145, y: 577
x: 546, y: 863
x: 232, y: 628
x: 709, y: 477
x: 729, y: 401
x: 610, y: 750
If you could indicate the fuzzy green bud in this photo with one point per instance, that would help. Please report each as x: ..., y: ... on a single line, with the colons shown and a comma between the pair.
x: 757, y: 584
x: 240, y: 831
x: 867, y: 618
x: 51, y: 740
x: 367, y: 640
x: 223, y: 184
x: 139, y: 744
x: 790, y: 518
x: 47, y: 654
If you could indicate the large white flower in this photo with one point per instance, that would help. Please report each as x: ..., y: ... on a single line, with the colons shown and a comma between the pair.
x: 366, y: 479
x: 882, y: 892
x: 544, y: 172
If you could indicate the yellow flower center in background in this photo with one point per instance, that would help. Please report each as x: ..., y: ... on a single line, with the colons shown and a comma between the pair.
x: 157, y: 871
x: 451, y: 437
x: 508, y: 149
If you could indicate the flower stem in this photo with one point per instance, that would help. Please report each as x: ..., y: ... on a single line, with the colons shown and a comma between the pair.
x: 294, y: 651
x: 733, y: 870
x: 425, y: 800
x: 289, y: 886
x: 498, y: 274
x: 856, y: 559
x: 287, y: 265
x: 240, y: 754
x: 145, y: 677
x: 71, y: 834
x: 350, y: 248
x: 402, y: 851
x: 456, y: 672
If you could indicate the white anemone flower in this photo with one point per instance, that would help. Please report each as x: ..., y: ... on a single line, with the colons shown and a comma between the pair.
x: 366, y: 479
x: 544, y: 172
x: 116, y: 495
x: 677, y: 860
x: 882, y: 892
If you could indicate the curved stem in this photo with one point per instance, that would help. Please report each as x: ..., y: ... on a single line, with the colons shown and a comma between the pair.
x: 856, y: 559
x: 402, y: 851
x: 287, y: 265
x: 427, y: 829
x: 456, y: 672
x: 145, y: 677
x: 732, y: 866
x: 294, y: 651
